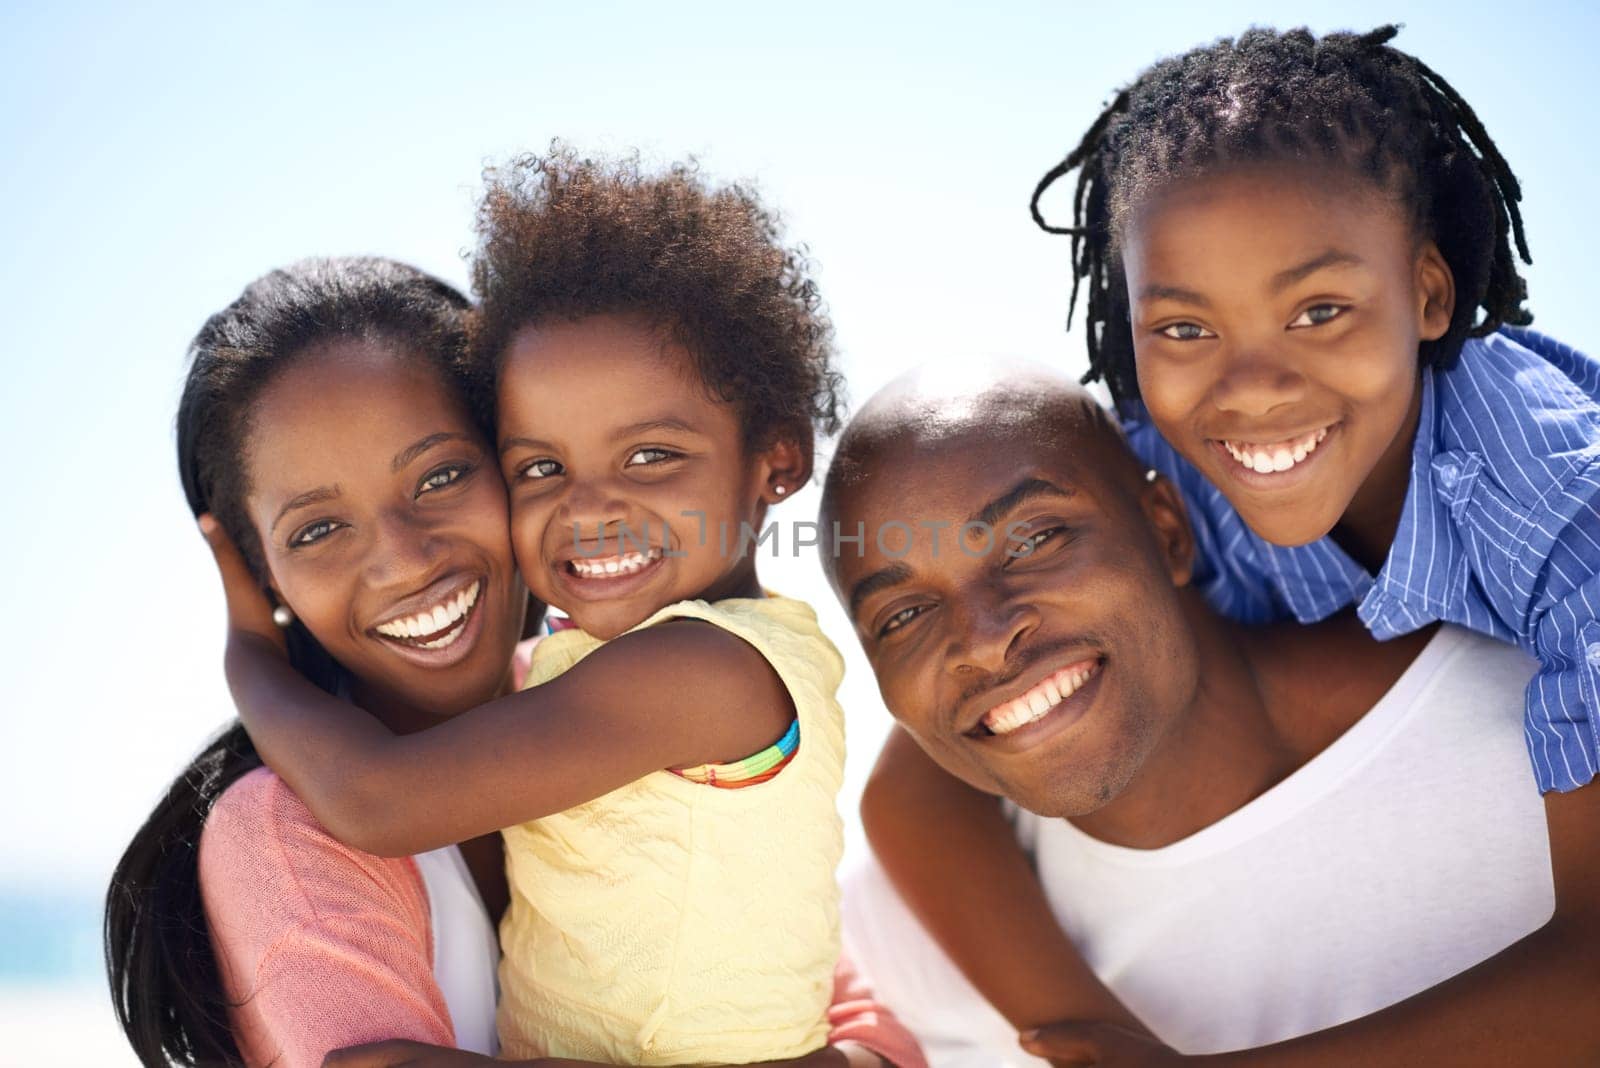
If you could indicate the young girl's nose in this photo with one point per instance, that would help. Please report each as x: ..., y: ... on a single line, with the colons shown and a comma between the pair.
x: 591, y: 509
x: 1255, y: 382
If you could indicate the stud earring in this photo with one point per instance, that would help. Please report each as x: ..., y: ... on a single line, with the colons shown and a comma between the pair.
x: 283, y: 617
x: 780, y: 490
x: 1151, y: 475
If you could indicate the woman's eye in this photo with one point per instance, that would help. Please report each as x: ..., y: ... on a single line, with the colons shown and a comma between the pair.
x: 1318, y: 314
x: 900, y: 619
x: 443, y: 477
x: 541, y: 469
x: 650, y: 456
x: 312, y: 533
x: 1185, y: 332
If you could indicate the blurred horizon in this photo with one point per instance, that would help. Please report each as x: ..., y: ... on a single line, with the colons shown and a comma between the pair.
x: 160, y: 158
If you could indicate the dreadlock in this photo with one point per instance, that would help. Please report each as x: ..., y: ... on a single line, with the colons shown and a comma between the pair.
x: 1349, y: 98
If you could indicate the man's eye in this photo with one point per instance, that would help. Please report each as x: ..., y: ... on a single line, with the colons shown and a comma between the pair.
x: 541, y: 469
x: 443, y: 477
x: 1027, y: 544
x: 312, y: 533
x: 651, y: 456
x: 1318, y: 314
x: 900, y: 619
x: 1185, y: 332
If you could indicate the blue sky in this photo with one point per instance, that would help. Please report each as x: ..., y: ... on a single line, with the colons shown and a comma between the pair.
x: 157, y: 157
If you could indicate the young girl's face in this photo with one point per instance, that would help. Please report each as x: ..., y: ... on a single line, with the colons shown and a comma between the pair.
x: 382, y: 519
x: 629, y: 483
x: 1276, y: 314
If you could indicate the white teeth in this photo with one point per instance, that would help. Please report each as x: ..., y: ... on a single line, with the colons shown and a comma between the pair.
x: 1037, y: 702
x: 626, y: 564
x: 435, y: 620
x: 1280, y: 456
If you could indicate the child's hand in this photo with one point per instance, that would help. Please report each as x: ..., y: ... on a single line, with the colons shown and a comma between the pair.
x: 249, y: 611
x: 1081, y: 1044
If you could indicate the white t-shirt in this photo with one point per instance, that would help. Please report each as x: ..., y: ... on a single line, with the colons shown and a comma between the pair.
x: 466, y: 952
x: 1410, y: 849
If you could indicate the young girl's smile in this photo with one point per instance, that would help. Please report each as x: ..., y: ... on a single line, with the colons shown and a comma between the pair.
x: 1276, y: 315
x: 624, y: 472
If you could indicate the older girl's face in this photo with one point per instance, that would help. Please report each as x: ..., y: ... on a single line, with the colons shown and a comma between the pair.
x: 383, y: 523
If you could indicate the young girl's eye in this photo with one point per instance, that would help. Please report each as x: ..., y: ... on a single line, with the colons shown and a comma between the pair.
x: 650, y: 456
x: 1185, y: 332
x: 1318, y: 314
x: 900, y: 619
x: 543, y: 468
x: 444, y: 476
x: 312, y: 533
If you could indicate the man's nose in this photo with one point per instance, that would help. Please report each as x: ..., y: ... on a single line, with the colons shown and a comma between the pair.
x: 988, y: 631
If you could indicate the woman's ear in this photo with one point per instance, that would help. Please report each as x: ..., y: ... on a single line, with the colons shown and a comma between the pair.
x: 1436, y: 293
x: 1169, y: 522
x: 784, y: 466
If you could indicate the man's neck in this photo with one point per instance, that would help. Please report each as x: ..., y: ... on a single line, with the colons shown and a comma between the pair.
x: 1268, y: 699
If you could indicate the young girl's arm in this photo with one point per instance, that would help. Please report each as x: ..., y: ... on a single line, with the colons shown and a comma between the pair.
x: 677, y: 694
x: 951, y: 854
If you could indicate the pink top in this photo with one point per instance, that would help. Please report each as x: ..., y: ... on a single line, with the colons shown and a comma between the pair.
x: 321, y: 946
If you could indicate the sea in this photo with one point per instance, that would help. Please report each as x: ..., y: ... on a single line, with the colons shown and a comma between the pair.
x: 55, y: 1006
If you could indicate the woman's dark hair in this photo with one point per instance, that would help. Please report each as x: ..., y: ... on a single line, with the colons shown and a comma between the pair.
x: 562, y: 237
x: 165, y: 984
x: 1346, y: 99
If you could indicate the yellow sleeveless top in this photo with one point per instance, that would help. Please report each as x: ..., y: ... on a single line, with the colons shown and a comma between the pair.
x: 670, y: 922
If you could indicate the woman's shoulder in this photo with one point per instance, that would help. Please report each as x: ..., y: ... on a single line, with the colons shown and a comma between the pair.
x: 262, y: 849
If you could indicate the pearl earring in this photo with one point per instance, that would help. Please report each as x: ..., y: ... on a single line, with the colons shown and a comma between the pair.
x: 283, y: 617
x: 780, y: 490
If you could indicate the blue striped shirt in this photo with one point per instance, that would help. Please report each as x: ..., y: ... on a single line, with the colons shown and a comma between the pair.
x: 1500, y: 533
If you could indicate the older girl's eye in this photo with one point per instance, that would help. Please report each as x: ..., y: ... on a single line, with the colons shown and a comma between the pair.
x: 312, y: 533
x: 1318, y: 314
x: 542, y: 468
x: 1185, y: 332
x: 901, y: 618
x: 650, y: 456
x: 444, y: 476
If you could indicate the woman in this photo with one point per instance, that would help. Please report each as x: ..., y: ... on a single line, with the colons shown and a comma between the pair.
x: 325, y: 428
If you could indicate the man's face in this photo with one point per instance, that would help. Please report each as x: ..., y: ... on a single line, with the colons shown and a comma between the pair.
x: 1044, y: 662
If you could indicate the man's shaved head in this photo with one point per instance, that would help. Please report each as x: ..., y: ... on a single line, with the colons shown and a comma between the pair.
x: 945, y: 404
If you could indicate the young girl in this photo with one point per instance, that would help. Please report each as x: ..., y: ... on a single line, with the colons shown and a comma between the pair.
x: 1298, y: 254
x: 658, y: 362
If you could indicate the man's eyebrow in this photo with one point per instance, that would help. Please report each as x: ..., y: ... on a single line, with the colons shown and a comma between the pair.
x: 316, y: 496
x: 880, y: 579
x: 1334, y: 257
x: 411, y: 452
x: 1014, y: 498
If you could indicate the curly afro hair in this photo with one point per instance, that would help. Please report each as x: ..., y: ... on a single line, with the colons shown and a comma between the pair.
x: 1346, y: 99
x: 563, y: 237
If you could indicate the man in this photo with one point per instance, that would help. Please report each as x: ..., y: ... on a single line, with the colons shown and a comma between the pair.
x: 1250, y: 835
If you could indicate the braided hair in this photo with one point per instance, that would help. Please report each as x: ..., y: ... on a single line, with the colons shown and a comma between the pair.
x: 1345, y: 98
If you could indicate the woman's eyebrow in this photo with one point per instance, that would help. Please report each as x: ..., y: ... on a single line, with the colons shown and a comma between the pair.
x: 1157, y: 291
x: 411, y: 452
x: 316, y: 496
x: 1333, y: 257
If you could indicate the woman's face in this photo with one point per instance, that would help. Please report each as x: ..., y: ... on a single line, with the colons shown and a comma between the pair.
x: 382, y: 519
